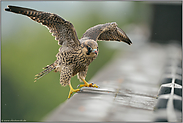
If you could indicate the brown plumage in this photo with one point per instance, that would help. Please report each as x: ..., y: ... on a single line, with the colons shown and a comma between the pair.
x: 75, y: 55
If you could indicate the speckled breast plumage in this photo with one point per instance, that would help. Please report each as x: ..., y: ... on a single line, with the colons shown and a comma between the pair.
x: 75, y: 58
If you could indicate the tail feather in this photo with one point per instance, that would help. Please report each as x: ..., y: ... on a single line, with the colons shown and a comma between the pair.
x: 48, y: 69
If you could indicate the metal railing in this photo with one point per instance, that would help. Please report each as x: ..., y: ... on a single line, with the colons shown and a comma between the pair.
x: 129, y: 89
x: 169, y: 104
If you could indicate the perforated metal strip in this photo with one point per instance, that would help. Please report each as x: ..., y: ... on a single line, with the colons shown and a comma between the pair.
x: 169, y: 104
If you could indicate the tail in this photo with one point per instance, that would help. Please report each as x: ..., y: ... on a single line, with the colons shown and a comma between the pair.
x: 48, y: 69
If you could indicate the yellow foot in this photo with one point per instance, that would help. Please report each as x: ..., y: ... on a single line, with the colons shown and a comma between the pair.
x: 71, y: 91
x: 86, y: 84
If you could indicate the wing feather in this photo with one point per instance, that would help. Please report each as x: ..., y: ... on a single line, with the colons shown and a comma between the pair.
x: 62, y: 30
x: 107, y: 32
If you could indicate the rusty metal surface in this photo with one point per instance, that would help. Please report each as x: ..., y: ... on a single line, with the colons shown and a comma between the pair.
x: 129, y: 90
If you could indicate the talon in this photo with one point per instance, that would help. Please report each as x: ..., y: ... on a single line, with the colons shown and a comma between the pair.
x: 80, y: 90
x: 78, y: 86
x: 95, y: 86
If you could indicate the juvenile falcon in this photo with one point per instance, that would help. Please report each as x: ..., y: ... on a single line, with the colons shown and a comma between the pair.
x: 74, y: 55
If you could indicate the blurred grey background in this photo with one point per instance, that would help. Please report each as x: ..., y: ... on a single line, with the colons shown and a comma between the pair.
x: 27, y: 47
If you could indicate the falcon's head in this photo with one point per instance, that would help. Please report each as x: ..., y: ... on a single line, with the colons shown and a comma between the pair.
x: 90, y: 48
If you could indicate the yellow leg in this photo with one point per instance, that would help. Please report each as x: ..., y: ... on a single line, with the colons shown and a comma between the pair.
x: 72, y: 90
x: 86, y: 84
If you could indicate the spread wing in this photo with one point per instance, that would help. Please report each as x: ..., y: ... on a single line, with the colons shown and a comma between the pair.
x: 62, y: 30
x: 107, y: 32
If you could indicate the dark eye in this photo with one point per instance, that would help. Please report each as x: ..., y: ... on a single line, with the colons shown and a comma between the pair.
x: 89, y: 50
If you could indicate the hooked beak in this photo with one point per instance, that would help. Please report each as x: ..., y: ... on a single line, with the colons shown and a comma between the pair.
x: 95, y: 51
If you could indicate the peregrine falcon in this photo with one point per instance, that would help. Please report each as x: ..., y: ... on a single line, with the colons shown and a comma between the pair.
x: 74, y: 55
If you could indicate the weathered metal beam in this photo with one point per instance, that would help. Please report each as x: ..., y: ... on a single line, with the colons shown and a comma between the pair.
x: 129, y: 90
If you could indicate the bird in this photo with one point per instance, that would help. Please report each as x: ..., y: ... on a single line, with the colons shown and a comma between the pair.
x: 74, y: 55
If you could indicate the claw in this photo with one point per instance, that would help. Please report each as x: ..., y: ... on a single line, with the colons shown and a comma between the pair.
x: 81, y: 90
x: 78, y: 85
x: 95, y: 86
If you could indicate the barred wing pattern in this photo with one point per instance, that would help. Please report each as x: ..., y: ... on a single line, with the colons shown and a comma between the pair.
x: 107, y: 32
x: 62, y: 30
